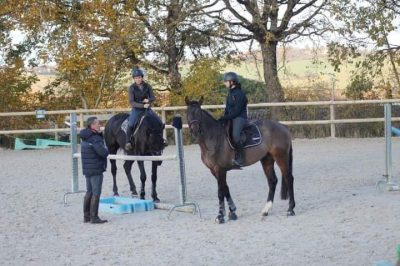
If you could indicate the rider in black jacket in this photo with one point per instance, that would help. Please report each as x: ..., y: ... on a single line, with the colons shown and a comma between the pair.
x: 141, y: 97
x: 235, y: 110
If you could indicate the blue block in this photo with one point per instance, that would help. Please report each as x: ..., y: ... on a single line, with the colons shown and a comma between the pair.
x: 396, y: 131
x: 119, y: 205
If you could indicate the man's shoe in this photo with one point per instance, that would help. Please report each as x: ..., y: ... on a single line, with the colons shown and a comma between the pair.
x: 94, y: 211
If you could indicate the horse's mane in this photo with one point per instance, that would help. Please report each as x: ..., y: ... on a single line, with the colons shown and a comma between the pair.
x: 194, y: 103
x: 209, y: 115
x: 153, y: 123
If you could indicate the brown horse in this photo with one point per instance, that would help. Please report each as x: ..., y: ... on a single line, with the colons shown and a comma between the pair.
x: 217, y: 155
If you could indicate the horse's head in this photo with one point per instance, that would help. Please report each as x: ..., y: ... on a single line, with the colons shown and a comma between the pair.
x: 150, y: 136
x: 194, y: 115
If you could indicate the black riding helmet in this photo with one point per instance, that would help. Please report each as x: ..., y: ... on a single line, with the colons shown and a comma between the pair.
x: 136, y: 72
x: 231, y: 76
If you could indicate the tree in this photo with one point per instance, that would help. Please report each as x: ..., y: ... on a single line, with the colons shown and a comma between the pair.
x: 15, y: 82
x: 203, y: 80
x: 365, y: 42
x: 173, y: 30
x: 270, y: 22
x: 94, y: 43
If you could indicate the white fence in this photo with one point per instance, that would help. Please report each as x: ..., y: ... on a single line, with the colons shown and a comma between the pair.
x: 104, y: 114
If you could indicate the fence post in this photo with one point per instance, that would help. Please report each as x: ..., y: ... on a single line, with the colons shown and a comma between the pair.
x: 177, y: 124
x: 181, y: 159
x: 74, y: 149
x: 332, y: 118
x: 164, y: 120
x: 388, y: 183
x: 81, y: 121
x: 56, y: 134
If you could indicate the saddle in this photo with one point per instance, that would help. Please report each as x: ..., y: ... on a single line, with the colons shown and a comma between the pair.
x: 250, y: 135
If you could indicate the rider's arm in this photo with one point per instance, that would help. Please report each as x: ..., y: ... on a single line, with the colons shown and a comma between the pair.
x: 151, y: 95
x: 240, y: 104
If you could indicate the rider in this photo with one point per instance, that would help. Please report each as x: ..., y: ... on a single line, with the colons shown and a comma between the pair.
x: 235, y: 110
x: 140, y: 97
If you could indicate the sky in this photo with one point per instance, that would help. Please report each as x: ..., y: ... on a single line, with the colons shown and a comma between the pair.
x: 394, y: 38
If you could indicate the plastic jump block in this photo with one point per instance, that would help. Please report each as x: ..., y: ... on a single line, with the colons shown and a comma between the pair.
x: 20, y: 145
x: 120, y: 205
x: 49, y: 142
x: 396, y: 131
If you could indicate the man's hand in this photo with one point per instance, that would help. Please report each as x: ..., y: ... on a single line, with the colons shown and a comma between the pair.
x: 145, y: 101
x: 146, y: 105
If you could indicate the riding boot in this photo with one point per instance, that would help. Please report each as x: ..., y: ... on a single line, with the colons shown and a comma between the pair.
x: 86, y: 208
x: 94, y: 211
x: 129, y: 138
x: 239, y: 156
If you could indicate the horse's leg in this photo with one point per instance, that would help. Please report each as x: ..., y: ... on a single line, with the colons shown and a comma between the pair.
x: 154, y: 167
x: 268, y: 167
x: 128, y: 169
x: 114, y: 174
x: 142, y: 179
x: 223, y: 192
x: 287, y: 183
x: 232, y: 207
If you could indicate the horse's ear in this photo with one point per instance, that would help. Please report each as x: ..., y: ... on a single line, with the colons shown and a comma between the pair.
x: 201, y: 100
x: 187, y: 101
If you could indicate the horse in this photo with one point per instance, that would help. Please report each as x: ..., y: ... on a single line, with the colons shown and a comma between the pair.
x: 217, y: 155
x: 148, y: 140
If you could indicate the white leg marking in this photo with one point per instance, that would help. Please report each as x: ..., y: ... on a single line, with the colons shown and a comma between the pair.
x: 267, y: 208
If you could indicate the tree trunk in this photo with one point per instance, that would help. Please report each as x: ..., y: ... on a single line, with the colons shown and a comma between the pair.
x: 273, y: 86
x: 174, y: 77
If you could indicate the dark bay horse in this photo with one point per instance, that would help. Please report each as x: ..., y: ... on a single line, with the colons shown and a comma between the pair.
x: 217, y: 155
x: 148, y: 140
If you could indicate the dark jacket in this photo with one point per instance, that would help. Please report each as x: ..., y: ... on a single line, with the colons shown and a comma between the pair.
x: 236, y: 104
x: 137, y: 95
x: 94, y: 153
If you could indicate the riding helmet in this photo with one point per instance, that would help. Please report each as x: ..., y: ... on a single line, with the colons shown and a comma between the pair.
x: 136, y: 72
x: 231, y: 76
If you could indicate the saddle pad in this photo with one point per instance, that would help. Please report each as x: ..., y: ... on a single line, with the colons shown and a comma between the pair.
x: 251, y: 134
x: 124, y: 125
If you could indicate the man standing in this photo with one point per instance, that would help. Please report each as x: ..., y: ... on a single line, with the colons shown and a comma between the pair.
x: 94, y: 164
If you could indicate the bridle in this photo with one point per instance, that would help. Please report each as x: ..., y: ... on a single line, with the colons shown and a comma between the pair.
x: 198, y: 122
x: 193, y: 122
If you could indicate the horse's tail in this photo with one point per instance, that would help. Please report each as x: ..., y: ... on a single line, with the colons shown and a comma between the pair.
x: 284, y: 188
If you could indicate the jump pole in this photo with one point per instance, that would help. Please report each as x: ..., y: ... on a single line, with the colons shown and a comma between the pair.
x: 74, y: 150
x: 388, y: 184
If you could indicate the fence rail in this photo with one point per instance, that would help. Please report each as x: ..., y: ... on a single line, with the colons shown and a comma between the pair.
x: 331, y: 121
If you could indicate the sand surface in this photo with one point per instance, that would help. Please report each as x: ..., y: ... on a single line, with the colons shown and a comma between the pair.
x: 341, y: 218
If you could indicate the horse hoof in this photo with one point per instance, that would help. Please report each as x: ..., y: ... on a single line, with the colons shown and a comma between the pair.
x: 220, y: 219
x: 291, y: 213
x: 232, y: 216
x: 264, y: 214
x: 135, y: 196
x: 156, y: 200
x: 116, y: 194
